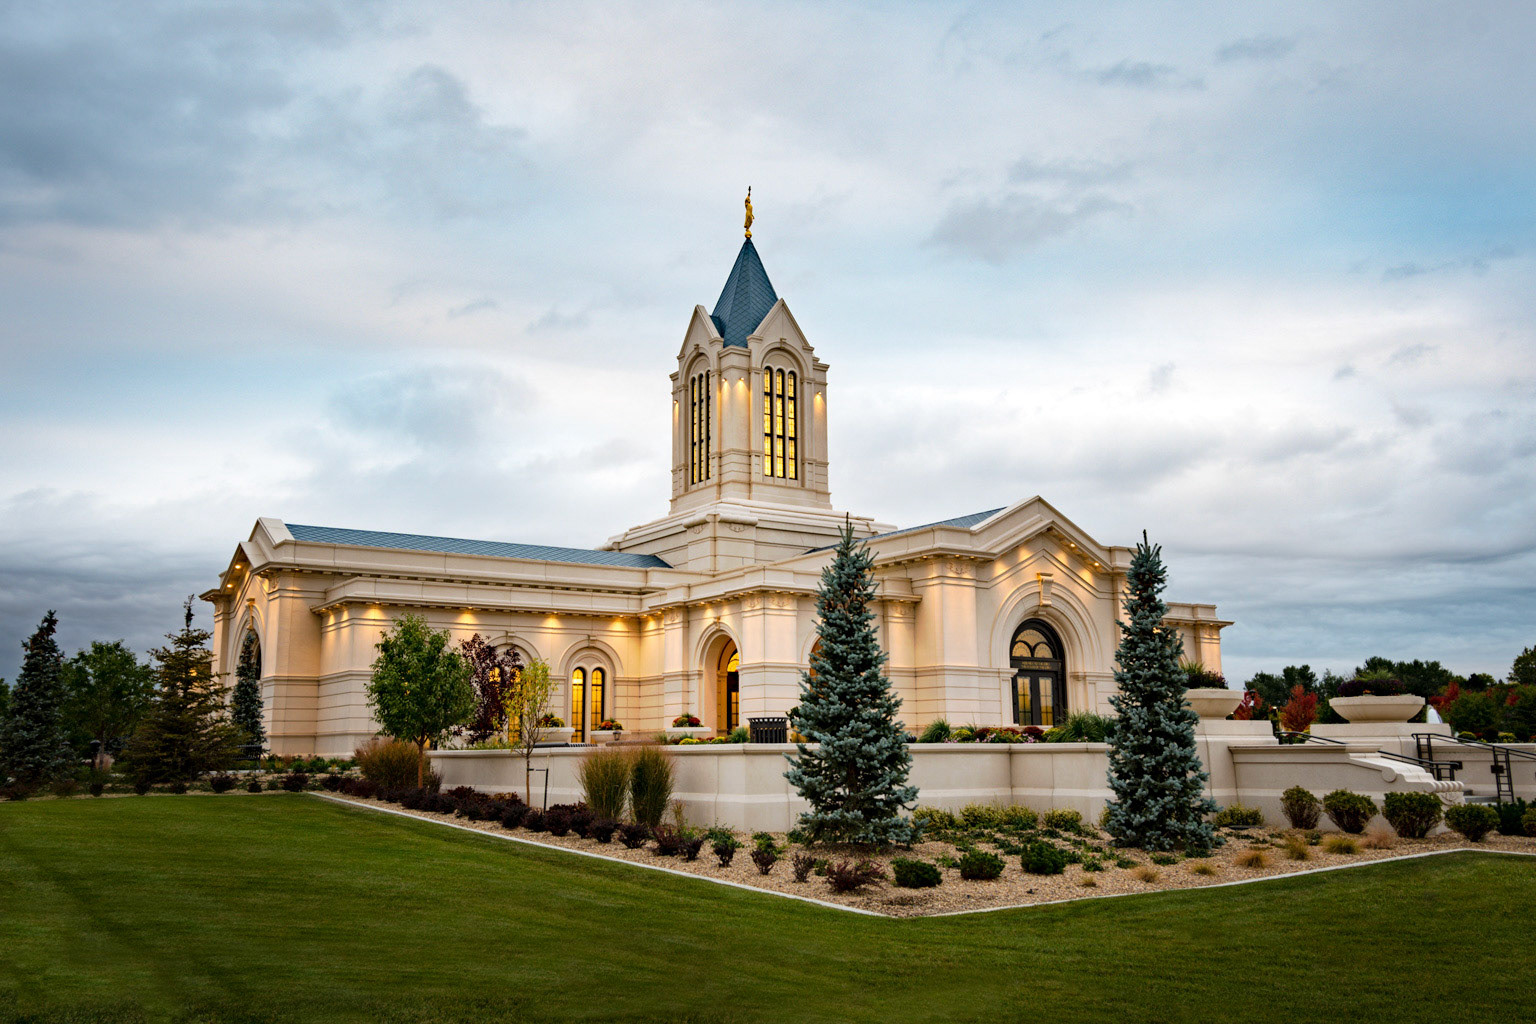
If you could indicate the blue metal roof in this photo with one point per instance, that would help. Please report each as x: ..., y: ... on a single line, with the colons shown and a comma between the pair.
x: 458, y: 546
x: 964, y: 522
x: 746, y: 299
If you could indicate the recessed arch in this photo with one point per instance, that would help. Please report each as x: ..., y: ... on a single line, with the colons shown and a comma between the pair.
x: 1039, y: 682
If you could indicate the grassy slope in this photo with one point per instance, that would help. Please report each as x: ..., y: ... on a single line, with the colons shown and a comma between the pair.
x: 285, y: 907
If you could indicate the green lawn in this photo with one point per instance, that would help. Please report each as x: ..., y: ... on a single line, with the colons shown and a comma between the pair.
x: 285, y: 907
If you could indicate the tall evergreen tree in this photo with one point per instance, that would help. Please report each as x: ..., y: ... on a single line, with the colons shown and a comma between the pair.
x: 186, y: 733
x: 34, y: 747
x: 109, y: 690
x: 1154, y: 769
x: 245, y: 702
x: 856, y: 777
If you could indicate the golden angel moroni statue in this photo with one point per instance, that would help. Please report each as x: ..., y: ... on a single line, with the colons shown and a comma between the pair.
x: 748, y: 225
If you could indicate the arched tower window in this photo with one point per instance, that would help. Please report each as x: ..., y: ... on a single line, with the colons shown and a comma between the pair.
x: 701, y: 409
x: 1039, y: 674
x: 589, y: 693
x: 780, y: 426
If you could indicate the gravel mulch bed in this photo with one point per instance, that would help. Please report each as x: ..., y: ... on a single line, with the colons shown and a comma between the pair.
x: 1015, y: 887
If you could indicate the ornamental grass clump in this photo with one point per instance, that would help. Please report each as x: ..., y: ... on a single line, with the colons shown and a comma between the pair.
x: 1252, y: 859
x: 1297, y: 848
x: 1300, y: 807
x: 604, y: 778
x: 1341, y: 845
x: 1412, y: 814
x: 1473, y: 821
x: 1349, y: 812
x: 651, y: 778
x: 1378, y: 839
x: 1201, y: 867
x: 1146, y: 873
x: 388, y: 764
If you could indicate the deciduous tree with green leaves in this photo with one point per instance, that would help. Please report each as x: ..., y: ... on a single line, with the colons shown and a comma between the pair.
x: 855, y: 778
x: 187, y: 731
x: 420, y: 689
x: 34, y: 746
x: 110, y: 692
x: 1523, y: 671
x: 527, y: 703
x: 1155, y: 771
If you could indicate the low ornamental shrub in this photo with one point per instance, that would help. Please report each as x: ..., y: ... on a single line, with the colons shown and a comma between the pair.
x: 1165, y: 859
x: 911, y: 873
x: 1510, y: 817
x: 1300, y: 807
x: 254, y: 786
x: 634, y: 834
x: 533, y: 821
x: 295, y: 782
x: 669, y: 841
x: 581, y: 820
x: 1474, y: 821
x: 601, y: 829
x: 1238, y: 816
x: 1412, y: 815
x: 692, y: 844
x: 724, y: 844
x: 221, y: 783
x: 332, y: 783
x: 1041, y: 858
x: 803, y: 863
x: 1348, y: 811
x: 515, y: 814
x: 98, y: 788
x: 980, y: 866
x: 178, y: 787
x: 557, y: 821
x: 851, y: 877
x: 765, y: 857
x: 936, y: 731
x: 1528, y: 822
x: 1061, y: 818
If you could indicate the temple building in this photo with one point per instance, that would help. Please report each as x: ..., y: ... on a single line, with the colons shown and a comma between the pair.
x: 1006, y: 615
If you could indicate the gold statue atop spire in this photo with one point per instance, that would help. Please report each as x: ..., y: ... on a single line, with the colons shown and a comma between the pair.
x: 748, y: 225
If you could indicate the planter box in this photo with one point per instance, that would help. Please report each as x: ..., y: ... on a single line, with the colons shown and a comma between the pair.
x: 549, y: 735
x: 698, y: 732
x: 1369, y: 708
x: 1213, y: 701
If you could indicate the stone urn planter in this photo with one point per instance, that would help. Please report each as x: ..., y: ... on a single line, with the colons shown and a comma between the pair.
x: 1213, y: 701
x: 1370, y: 708
x: 604, y: 735
x: 698, y: 732
x: 551, y: 734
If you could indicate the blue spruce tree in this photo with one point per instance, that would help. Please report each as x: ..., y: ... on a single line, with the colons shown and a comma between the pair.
x: 1154, y: 770
x: 34, y: 747
x: 856, y: 777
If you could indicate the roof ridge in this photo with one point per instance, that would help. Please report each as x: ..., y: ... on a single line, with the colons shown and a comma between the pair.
x: 389, y: 539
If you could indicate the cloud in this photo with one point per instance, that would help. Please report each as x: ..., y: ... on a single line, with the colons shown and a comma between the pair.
x: 1160, y: 377
x: 1140, y: 74
x: 1256, y: 48
x: 997, y: 230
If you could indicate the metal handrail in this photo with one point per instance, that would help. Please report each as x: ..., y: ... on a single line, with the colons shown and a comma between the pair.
x: 1501, y: 768
x: 1443, y: 771
x: 1307, y: 737
x: 1503, y: 748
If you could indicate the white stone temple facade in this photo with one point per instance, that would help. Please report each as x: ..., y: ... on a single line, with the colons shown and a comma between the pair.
x: 1001, y: 616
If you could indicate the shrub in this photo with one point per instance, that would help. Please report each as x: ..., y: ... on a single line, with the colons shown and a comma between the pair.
x: 604, y: 777
x: 634, y: 834
x: 981, y: 816
x: 1412, y: 814
x: 1474, y: 821
x: 97, y: 788
x: 1510, y: 816
x: 295, y: 782
x: 910, y: 873
x: 932, y: 819
x: 1341, y: 844
x: 1252, y: 859
x: 669, y: 841
x: 178, y: 787
x: 1300, y: 807
x: 724, y: 844
x: 1361, y: 687
x: 1092, y: 864
x: 1165, y: 859
x: 692, y: 844
x: 1042, y: 858
x: 1238, y: 816
x: 389, y: 764
x: 332, y: 782
x: 1084, y: 727
x: 1296, y: 848
x: 1528, y: 822
x: 765, y: 857
x: 803, y: 863
x: 557, y: 821
x: 534, y: 821
x: 1146, y: 873
x: 221, y: 783
x: 1124, y: 862
x: 1314, y: 837
x: 1067, y: 821
x: 851, y: 877
x: 650, y: 784
x: 1349, y: 811
x: 1020, y: 818
x: 1379, y: 839
x: 516, y: 814
x: 602, y: 829
x: 1202, y: 867
x: 254, y: 786
x: 978, y: 865
x: 936, y: 731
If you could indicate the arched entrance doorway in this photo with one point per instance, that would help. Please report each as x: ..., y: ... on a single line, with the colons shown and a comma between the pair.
x: 728, y: 688
x: 1039, y: 674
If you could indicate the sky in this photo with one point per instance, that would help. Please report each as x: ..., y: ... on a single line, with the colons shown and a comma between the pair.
x: 1256, y: 278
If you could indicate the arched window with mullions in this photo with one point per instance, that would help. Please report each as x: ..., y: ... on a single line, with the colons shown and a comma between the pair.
x: 780, y: 424
x: 589, y: 693
x: 1039, y: 674
x: 701, y: 411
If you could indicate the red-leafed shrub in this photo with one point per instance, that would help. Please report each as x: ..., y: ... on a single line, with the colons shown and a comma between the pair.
x: 848, y: 877
x: 1300, y: 711
x: 1252, y: 708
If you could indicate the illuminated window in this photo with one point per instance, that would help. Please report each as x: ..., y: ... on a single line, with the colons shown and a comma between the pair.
x: 599, y: 677
x: 701, y: 409
x: 780, y: 458
x: 1039, y: 675
x: 578, y: 704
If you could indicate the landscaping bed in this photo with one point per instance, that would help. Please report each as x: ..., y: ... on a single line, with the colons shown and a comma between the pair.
x: 1254, y: 853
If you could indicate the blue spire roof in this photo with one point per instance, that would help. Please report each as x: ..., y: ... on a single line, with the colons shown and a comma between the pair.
x: 747, y: 298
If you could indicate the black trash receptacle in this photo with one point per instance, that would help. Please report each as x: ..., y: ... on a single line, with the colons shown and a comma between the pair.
x: 769, y: 729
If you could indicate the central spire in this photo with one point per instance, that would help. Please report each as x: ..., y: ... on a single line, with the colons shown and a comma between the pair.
x: 747, y: 297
